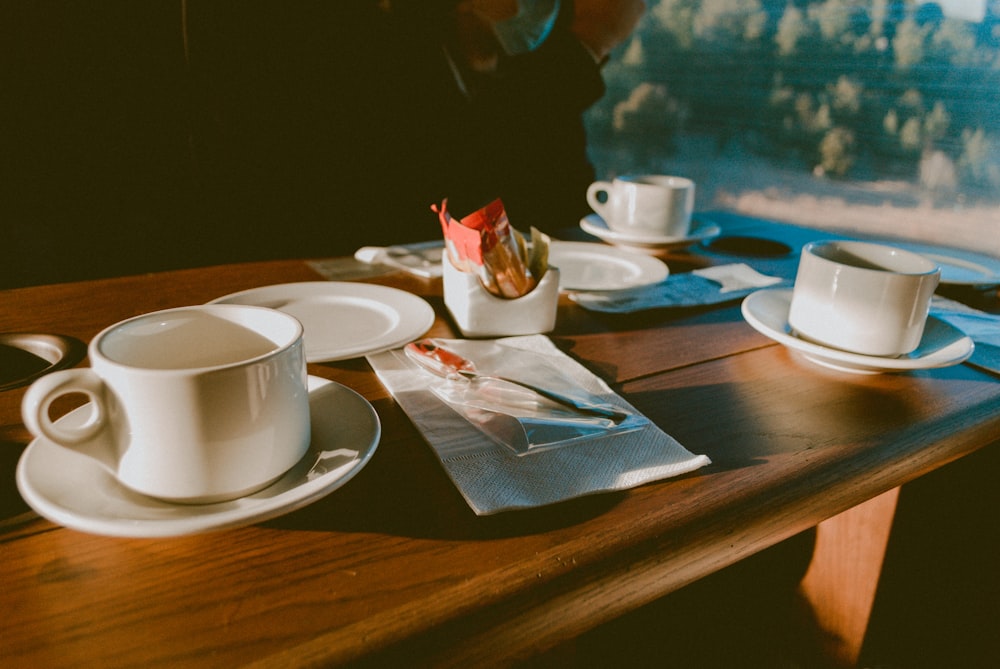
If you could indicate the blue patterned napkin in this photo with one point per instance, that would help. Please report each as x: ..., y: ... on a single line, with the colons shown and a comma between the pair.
x: 983, y: 328
x: 712, y: 285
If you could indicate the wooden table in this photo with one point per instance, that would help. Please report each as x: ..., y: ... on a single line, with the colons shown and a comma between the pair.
x: 394, y: 564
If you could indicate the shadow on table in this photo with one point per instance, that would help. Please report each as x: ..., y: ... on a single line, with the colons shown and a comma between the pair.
x: 404, y: 491
x: 13, y: 510
x: 429, y: 506
x: 758, y: 417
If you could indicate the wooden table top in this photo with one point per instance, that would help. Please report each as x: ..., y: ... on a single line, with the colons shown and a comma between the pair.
x: 394, y: 564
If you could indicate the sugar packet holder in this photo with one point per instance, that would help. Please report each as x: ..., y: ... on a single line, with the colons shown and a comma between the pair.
x: 478, y: 313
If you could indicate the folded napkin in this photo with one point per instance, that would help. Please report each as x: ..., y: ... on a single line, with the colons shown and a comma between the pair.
x: 421, y: 259
x: 711, y: 285
x: 494, y: 478
x: 983, y: 328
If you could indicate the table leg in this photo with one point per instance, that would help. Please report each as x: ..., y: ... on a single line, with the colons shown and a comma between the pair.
x: 843, y: 576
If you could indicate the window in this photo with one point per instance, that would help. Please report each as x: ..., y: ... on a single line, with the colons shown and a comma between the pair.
x: 875, y: 116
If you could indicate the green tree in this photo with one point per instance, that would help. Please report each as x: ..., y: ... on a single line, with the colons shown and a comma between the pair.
x: 955, y: 43
x: 911, y: 139
x: 979, y: 162
x: 634, y: 55
x: 836, y: 151
x: 648, y: 121
x: 676, y: 18
x: 831, y: 67
x: 730, y: 21
x: 792, y: 29
x: 908, y: 44
x: 878, y: 12
x: 890, y: 123
x: 936, y: 123
x: 833, y: 18
x: 912, y: 101
x: 937, y: 173
x: 846, y: 95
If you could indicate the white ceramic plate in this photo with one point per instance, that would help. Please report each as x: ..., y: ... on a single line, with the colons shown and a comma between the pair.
x: 591, y: 266
x: 958, y: 266
x: 941, y: 346
x: 344, y: 319
x: 700, y: 231
x: 72, y: 490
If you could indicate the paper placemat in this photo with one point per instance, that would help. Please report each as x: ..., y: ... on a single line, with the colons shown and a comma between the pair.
x: 492, y: 478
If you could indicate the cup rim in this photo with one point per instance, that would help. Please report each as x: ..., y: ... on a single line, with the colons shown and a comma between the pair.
x: 678, y: 182
x: 95, y: 352
x: 915, y: 258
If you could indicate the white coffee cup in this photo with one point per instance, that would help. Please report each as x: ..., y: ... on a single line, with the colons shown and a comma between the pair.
x: 645, y: 205
x: 196, y: 404
x: 861, y: 297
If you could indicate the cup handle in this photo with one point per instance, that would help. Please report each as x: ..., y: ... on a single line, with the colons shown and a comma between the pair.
x: 43, y: 392
x: 593, y: 191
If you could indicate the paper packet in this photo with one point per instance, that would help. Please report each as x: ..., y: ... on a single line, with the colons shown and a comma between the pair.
x: 485, y: 244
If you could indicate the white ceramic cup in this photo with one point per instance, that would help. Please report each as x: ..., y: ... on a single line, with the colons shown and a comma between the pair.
x: 644, y: 204
x: 196, y: 404
x: 861, y: 297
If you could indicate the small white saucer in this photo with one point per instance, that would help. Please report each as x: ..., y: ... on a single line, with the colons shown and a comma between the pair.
x: 700, y: 231
x: 344, y: 319
x: 24, y: 357
x: 592, y: 266
x: 74, y: 491
x: 941, y: 346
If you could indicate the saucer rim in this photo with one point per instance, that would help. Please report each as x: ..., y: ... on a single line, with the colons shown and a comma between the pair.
x: 844, y: 360
x: 412, y: 324
x: 984, y: 263
x: 231, y: 514
x: 701, y: 230
x: 59, y: 351
x: 646, y: 264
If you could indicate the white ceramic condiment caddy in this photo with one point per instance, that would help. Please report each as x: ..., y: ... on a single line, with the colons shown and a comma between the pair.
x: 478, y: 313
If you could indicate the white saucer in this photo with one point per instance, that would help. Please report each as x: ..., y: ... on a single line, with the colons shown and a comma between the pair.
x: 52, y: 352
x: 941, y: 346
x: 958, y: 266
x: 72, y: 490
x: 700, y: 231
x: 344, y: 319
x: 592, y: 266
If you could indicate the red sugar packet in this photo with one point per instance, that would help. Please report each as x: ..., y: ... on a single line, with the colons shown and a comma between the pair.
x: 484, y: 243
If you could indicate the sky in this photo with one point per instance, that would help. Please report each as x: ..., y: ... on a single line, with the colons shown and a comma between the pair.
x: 970, y: 10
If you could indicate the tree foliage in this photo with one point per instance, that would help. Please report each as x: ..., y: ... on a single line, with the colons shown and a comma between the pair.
x: 828, y: 81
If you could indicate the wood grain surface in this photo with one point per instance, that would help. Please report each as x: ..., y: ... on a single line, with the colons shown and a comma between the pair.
x: 394, y: 564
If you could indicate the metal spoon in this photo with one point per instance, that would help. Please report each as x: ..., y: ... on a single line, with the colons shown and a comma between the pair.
x: 448, y: 364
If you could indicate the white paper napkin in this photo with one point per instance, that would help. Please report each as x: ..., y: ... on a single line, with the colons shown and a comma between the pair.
x: 493, y: 478
x: 711, y: 285
x: 422, y: 259
x: 736, y: 277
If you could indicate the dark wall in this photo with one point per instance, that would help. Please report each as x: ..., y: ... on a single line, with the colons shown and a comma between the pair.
x: 144, y: 135
x: 138, y: 136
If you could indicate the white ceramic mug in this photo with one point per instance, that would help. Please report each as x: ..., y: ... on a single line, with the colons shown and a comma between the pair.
x: 861, y: 297
x: 196, y: 404
x: 645, y: 204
